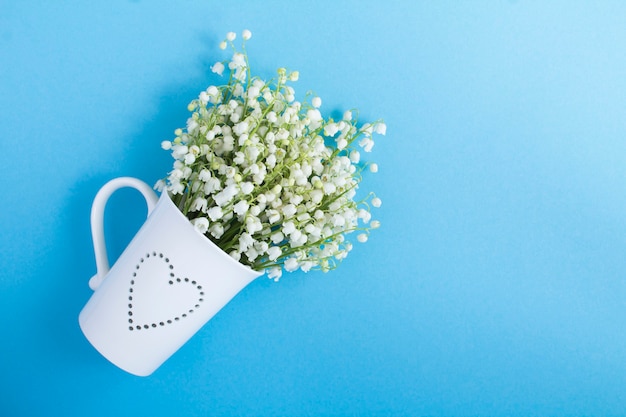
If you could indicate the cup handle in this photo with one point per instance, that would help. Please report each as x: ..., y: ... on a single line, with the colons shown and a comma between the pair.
x: 97, y: 220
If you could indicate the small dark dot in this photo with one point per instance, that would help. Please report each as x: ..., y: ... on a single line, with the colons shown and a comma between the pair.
x: 167, y: 260
x: 184, y: 314
x: 169, y: 321
x: 201, y: 292
x: 160, y: 255
x: 131, y: 290
x: 177, y: 279
x: 161, y: 324
x: 134, y: 274
x: 176, y: 318
x: 147, y: 255
x: 130, y: 298
x: 138, y: 327
x: 201, y: 299
x: 153, y: 324
x: 130, y: 313
x: 186, y: 279
x: 130, y: 306
x: 132, y: 282
x: 141, y: 260
x: 199, y: 287
x: 193, y: 282
x: 191, y: 310
x: 171, y: 266
x: 137, y: 266
x: 154, y: 253
x: 197, y: 305
x: 171, y: 282
x: 172, y: 274
x: 145, y: 326
x: 130, y: 320
x: 131, y: 328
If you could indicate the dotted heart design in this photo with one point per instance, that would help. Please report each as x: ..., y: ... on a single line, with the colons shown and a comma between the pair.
x: 172, y: 281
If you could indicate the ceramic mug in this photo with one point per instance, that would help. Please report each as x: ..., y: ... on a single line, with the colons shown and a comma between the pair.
x: 164, y: 287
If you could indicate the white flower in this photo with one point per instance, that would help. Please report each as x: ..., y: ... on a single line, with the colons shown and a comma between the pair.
x: 316, y: 196
x: 329, y: 188
x: 246, y: 187
x: 364, y: 215
x: 215, y: 213
x: 212, y: 185
x: 253, y: 92
x: 239, y: 158
x: 270, y: 161
x: 331, y: 129
x: 252, y: 253
x: 201, y: 224
x: 223, y: 45
x: 347, y: 115
x: 179, y: 151
x: 316, y: 102
x: 160, y: 185
x: 338, y: 220
x: 166, y: 145
x: 256, y: 210
x: 238, y: 92
x: 342, y: 143
x: 376, y: 202
x: 231, y: 36
x: 312, y: 230
x: 253, y: 225
x: 380, y: 128
x: 274, y: 252
x: 275, y: 273
x: 367, y: 144
x: 237, y: 61
x: 212, y: 91
x: 373, y: 167
x: 218, y: 68
x: 246, y: 34
x: 176, y: 187
x: 306, y: 266
x: 216, y: 230
x: 362, y: 238
x: 241, y: 207
x: 273, y: 216
x: 291, y: 264
x: 226, y: 195
x: 288, y: 227
x: 375, y: 224
x: 240, y: 128
x: 277, y: 237
x: 289, y: 210
x: 199, y: 204
x: 294, y: 76
x: 190, y: 158
x: 245, y: 241
x: 297, y: 239
x: 261, y: 247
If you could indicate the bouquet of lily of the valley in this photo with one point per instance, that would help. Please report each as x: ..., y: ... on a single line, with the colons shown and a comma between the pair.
x: 266, y: 177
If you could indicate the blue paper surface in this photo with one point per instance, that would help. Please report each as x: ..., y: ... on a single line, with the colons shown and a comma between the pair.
x: 495, y: 286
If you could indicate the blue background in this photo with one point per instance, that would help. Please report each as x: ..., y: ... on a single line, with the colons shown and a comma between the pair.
x: 496, y: 286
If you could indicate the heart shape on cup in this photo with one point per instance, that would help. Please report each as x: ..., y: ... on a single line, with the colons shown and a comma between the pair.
x: 157, y: 297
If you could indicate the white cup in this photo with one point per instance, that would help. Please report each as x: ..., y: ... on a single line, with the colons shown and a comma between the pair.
x: 164, y: 287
